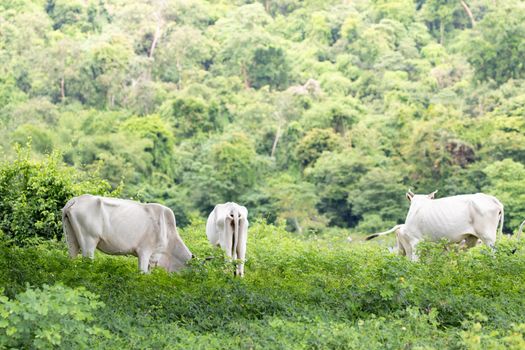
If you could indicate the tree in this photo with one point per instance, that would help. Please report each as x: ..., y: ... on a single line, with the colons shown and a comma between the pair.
x: 506, y: 181
x: 314, y: 143
x: 380, y: 192
x: 400, y: 10
x: 239, y: 35
x: 269, y: 67
x: 338, y: 114
x: 63, y: 60
x: 334, y: 175
x: 296, y: 201
x: 437, y: 154
x: 191, y: 116
x: 105, y: 69
x: 439, y: 14
x: 156, y: 130
x: 32, y: 193
x: 227, y: 170
x: 496, y: 51
x: 184, y: 49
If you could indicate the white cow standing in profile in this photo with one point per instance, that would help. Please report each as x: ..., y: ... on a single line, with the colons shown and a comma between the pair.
x: 466, y: 217
x: 123, y: 227
x: 227, y: 227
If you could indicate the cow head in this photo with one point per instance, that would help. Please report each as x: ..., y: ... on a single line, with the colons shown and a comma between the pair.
x: 411, y: 196
x: 176, y: 256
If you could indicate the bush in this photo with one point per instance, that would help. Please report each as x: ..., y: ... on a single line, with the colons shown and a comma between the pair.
x: 301, y: 294
x: 32, y: 194
x: 48, y: 318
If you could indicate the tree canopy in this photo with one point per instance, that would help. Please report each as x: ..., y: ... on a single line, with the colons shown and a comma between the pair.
x: 315, y: 113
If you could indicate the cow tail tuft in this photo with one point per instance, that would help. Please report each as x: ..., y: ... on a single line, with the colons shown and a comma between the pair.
x: 69, y: 233
x: 372, y: 236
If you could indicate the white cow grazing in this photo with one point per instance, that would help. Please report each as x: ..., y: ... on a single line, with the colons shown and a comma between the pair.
x: 121, y: 227
x: 227, y: 227
x: 465, y: 217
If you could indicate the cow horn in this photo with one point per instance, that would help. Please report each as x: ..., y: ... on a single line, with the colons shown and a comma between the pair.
x: 410, y: 192
x: 431, y: 196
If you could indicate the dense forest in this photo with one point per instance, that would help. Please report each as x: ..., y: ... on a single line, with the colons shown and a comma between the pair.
x: 317, y: 115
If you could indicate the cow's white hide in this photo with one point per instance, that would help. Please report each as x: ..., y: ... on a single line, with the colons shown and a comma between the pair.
x: 123, y: 227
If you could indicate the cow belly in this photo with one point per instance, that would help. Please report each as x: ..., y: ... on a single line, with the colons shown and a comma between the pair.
x: 127, y: 238
x: 453, y: 234
x: 116, y: 249
x: 444, y: 222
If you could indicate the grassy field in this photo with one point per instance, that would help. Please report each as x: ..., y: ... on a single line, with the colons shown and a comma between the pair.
x: 320, y: 293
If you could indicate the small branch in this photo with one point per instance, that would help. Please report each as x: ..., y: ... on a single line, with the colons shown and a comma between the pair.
x: 62, y: 89
x: 245, y: 77
x: 469, y: 13
x: 156, y: 37
x: 158, y: 30
x: 276, y: 139
x: 441, y: 32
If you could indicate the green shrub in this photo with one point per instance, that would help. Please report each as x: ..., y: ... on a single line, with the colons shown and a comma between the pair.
x: 51, y: 317
x: 32, y: 194
x: 319, y: 293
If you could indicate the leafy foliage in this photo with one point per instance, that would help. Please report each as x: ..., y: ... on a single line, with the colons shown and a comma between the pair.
x: 299, y: 292
x: 423, y: 94
x: 50, y: 317
x: 33, y: 193
x: 316, y: 115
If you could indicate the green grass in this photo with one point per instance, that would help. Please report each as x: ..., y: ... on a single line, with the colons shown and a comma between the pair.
x: 315, y: 293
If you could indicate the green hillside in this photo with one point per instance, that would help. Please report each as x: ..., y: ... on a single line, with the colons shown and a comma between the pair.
x: 317, y: 115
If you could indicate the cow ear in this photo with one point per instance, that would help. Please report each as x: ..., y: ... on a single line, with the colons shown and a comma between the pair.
x: 409, y: 196
x: 432, y: 195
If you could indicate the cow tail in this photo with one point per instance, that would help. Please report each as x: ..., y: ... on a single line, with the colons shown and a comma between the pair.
x: 382, y: 233
x: 235, y: 233
x: 520, y: 230
x: 502, y: 220
x: 69, y: 233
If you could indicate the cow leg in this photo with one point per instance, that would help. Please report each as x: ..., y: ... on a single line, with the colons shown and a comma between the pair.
x: 407, y: 245
x: 399, y: 244
x: 71, y: 239
x: 88, y: 247
x: 400, y: 249
x: 241, y: 247
x: 154, y: 260
x: 240, y: 269
x: 144, y: 260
